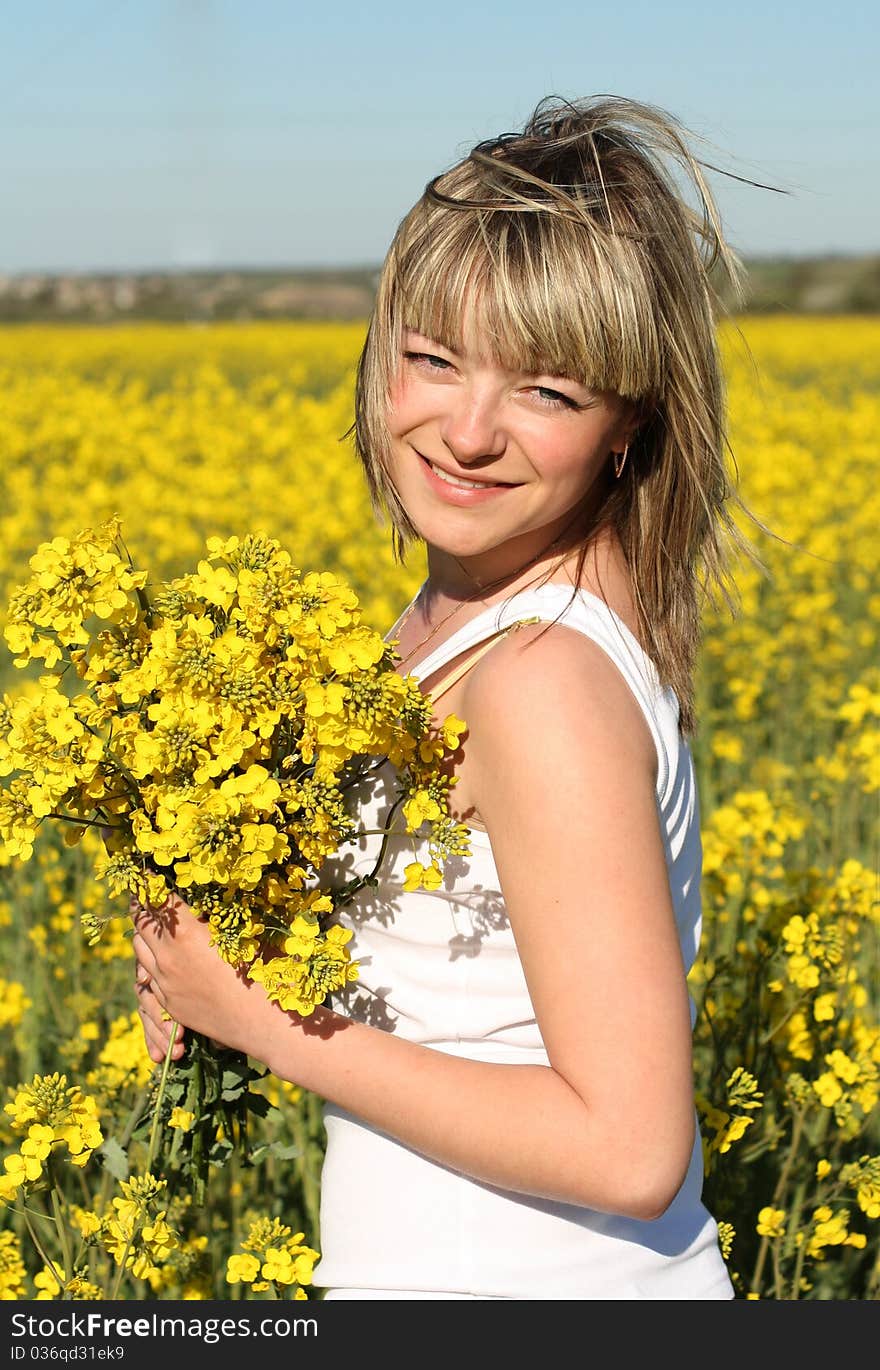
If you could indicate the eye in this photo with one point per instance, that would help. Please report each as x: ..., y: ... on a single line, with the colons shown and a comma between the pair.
x: 427, y: 361
x: 555, y: 399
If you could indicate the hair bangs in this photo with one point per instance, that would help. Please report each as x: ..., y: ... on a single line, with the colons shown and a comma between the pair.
x: 550, y: 296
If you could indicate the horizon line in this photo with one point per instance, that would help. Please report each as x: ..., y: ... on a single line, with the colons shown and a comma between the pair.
x: 330, y: 268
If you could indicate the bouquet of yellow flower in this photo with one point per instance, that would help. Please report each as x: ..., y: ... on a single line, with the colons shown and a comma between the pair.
x: 215, y: 728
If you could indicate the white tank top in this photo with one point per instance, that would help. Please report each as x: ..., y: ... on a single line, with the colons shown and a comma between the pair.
x: 441, y: 968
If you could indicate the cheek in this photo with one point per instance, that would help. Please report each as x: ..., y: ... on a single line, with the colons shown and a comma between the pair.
x: 567, y: 465
x: 401, y: 414
x: 573, y: 458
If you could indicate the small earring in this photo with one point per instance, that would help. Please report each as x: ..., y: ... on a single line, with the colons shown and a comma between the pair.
x: 620, y: 461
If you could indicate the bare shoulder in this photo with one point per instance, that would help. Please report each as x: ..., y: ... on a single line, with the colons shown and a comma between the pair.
x: 550, y: 690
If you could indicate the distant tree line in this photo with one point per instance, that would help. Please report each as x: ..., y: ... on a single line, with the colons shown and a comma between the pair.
x: 823, y: 285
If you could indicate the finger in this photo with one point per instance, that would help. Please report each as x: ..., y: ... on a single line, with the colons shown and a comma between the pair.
x: 146, y: 985
x: 157, y: 1037
x: 152, y: 1030
x: 154, y: 992
x: 145, y: 957
x: 152, y: 1039
x: 158, y: 1027
x: 153, y: 1007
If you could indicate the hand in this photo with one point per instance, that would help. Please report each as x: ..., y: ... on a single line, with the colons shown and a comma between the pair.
x: 180, y: 974
x: 156, y: 1023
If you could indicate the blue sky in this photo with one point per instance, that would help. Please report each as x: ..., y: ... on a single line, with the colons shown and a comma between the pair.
x: 169, y: 133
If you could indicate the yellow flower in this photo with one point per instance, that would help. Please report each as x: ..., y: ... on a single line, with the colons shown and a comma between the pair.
x: 420, y: 808
x: 47, y: 1283
x: 451, y: 730
x: 278, y: 1266
x: 242, y: 1269
x: 828, y: 1089
x: 771, y: 1222
x: 800, y: 1041
x: 798, y: 664
x: 419, y: 876
x: 844, y: 1068
x: 14, y: 1002
x: 825, y: 1007
x: 829, y: 1229
x: 181, y: 1118
x: 38, y: 1142
x: 734, y: 1130
x: 868, y: 1196
x: 12, y: 1268
x: 87, y: 1222
x: 21, y: 1169
x: 727, y: 746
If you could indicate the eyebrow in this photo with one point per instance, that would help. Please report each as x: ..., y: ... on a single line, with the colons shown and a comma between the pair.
x: 410, y: 328
x: 549, y: 372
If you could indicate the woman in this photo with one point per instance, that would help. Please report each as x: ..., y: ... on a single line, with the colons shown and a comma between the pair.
x: 509, y: 1087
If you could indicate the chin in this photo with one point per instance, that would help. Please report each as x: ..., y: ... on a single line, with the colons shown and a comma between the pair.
x: 464, y: 546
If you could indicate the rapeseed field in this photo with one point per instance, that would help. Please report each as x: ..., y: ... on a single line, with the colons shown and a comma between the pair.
x: 188, y: 432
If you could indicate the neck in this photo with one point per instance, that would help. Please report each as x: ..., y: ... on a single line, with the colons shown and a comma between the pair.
x: 504, y: 570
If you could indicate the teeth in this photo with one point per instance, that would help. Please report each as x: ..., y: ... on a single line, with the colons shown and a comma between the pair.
x: 462, y: 484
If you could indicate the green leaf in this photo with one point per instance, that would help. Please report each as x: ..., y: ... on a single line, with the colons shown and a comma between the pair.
x: 233, y: 1084
x: 284, y: 1152
x: 142, y: 1131
x: 220, y: 1151
x: 114, y: 1159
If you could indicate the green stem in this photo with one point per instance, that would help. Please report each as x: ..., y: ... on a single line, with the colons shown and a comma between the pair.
x: 124, y: 1139
x: 166, y: 1067
x: 151, y: 1152
x: 235, y: 1214
x: 80, y: 822
x: 61, y: 1229
x: 46, y: 1259
x: 308, y: 1180
x: 802, y: 1252
x: 114, y: 1293
x: 777, y: 1272
x: 126, y: 774
x: 778, y: 1192
x: 795, y: 1008
x: 379, y: 859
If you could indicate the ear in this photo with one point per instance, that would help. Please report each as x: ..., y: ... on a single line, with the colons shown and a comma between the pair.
x: 637, y: 415
x: 631, y: 419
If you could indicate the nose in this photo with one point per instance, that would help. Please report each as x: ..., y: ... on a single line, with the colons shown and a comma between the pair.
x: 472, y: 427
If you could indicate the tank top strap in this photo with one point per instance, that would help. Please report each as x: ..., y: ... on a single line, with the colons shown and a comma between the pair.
x: 586, y: 613
x: 485, y: 627
x: 575, y: 608
x: 458, y: 672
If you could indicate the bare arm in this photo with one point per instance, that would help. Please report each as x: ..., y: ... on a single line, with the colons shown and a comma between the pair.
x: 566, y: 788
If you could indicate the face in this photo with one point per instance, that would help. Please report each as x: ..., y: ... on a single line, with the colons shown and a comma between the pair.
x: 492, y: 465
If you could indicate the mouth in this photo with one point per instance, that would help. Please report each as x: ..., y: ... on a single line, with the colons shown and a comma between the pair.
x: 462, y: 482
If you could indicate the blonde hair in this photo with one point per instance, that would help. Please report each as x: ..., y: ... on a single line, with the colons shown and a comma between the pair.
x: 585, y: 260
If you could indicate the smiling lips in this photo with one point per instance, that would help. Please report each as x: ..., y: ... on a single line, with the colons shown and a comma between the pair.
x: 462, y: 483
